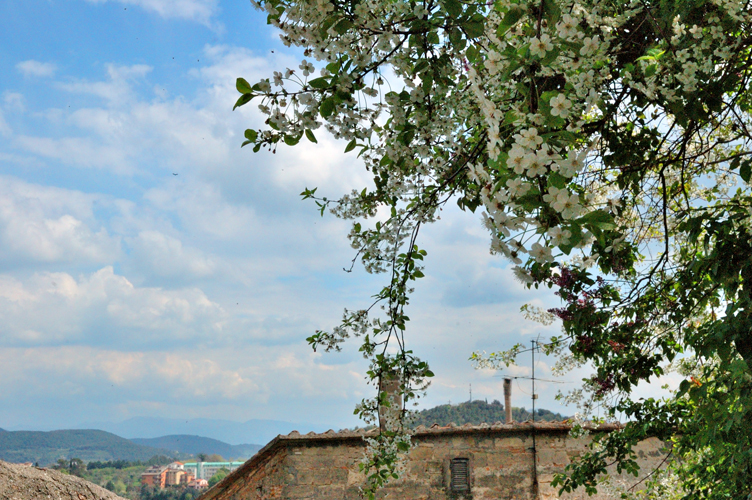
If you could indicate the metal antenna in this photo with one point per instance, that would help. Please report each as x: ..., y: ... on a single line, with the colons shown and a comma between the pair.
x: 532, y: 378
x: 536, y: 490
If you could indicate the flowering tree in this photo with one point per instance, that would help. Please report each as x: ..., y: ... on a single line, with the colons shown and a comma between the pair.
x: 607, y: 147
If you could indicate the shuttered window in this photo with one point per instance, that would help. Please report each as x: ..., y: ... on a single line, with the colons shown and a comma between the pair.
x: 460, y: 470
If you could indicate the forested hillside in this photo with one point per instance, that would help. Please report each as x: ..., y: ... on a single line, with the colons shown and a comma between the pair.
x: 47, y: 447
x: 478, y: 412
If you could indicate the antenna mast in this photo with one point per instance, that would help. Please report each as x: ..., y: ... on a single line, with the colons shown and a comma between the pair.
x: 532, y: 378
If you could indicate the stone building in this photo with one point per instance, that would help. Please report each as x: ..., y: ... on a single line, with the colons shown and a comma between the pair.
x: 166, y: 475
x: 498, y: 461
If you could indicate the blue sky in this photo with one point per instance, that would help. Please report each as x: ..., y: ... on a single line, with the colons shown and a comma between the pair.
x: 128, y: 291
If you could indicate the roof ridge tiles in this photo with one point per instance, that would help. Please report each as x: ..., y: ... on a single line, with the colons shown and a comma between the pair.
x: 449, y: 428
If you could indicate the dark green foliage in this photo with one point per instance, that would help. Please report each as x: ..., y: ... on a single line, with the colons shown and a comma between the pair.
x: 478, y: 412
x: 220, y: 475
x: 74, y: 466
x: 126, y: 481
x: 172, y: 493
x: 124, y: 464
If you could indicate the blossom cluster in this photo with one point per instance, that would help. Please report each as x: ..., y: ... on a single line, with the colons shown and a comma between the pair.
x: 579, y: 128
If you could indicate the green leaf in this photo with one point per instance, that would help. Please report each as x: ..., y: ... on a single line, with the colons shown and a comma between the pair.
x: 745, y: 171
x: 557, y: 180
x: 650, y: 70
x: 342, y: 26
x: 244, y: 99
x: 350, y: 146
x: 328, y: 23
x: 251, y: 135
x: 406, y: 137
x: 327, y: 107
x: 292, y: 140
x: 472, y: 53
x: 652, y: 55
x: 243, y: 86
x: 456, y: 38
x: 474, y: 26
x: 309, y: 135
x: 513, y: 15
x: 420, y: 66
x: 550, y: 57
x: 319, y: 83
x: 453, y: 8
x: 551, y: 12
x: 598, y: 218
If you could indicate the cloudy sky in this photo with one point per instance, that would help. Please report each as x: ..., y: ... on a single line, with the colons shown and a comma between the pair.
x: 127, y: 290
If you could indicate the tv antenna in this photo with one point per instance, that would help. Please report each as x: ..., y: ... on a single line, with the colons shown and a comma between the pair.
x: 536, y: 491
x: 535, y: 347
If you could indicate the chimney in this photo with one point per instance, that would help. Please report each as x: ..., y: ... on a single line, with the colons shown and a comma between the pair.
x: 508, y: 400
x: 390, y: 384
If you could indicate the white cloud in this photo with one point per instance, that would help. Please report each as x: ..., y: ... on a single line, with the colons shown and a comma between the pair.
x: 82, y: 152
x: 164, y: 256
x: 36, y: 68
x: 51, y: 225
x: 14, y: 101
x: 195, y: 10
x: 5, y: 129
x: 103, y: 308
x: 240, y: 382
x: 117, y: 88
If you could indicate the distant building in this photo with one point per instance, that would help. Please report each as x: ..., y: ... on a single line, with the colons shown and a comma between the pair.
x: 161, y: 476
x: 199, y: 484
x: 205, y: 470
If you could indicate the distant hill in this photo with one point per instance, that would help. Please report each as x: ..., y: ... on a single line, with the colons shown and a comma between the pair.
x: 236, y: 433
x: 193, y: 445
x: 88, y: 445
x: 478, y: 412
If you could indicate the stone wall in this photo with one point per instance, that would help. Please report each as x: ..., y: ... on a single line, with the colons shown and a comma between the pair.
x: 500, y: 465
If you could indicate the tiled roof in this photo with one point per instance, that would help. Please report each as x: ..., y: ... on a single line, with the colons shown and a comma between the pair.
x: 436, y: 429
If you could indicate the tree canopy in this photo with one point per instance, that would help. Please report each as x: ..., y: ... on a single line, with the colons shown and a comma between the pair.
x: 606, y: 146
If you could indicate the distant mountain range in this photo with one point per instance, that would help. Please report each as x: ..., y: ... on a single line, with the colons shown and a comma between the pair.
x: 94, y: 445
x: 235, y: 433
x: 193, y: 445
x: 88, y: 445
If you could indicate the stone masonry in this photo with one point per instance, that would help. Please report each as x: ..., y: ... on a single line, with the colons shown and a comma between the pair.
x: 501, y: 459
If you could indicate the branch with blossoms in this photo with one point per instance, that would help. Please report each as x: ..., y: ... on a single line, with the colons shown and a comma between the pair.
x: 607, y: 148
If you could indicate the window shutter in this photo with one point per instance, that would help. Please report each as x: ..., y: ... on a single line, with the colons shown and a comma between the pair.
x: 460, y: 471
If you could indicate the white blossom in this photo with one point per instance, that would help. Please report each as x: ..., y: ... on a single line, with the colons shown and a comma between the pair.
x: 560, y: 105
x: 540, y: 46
